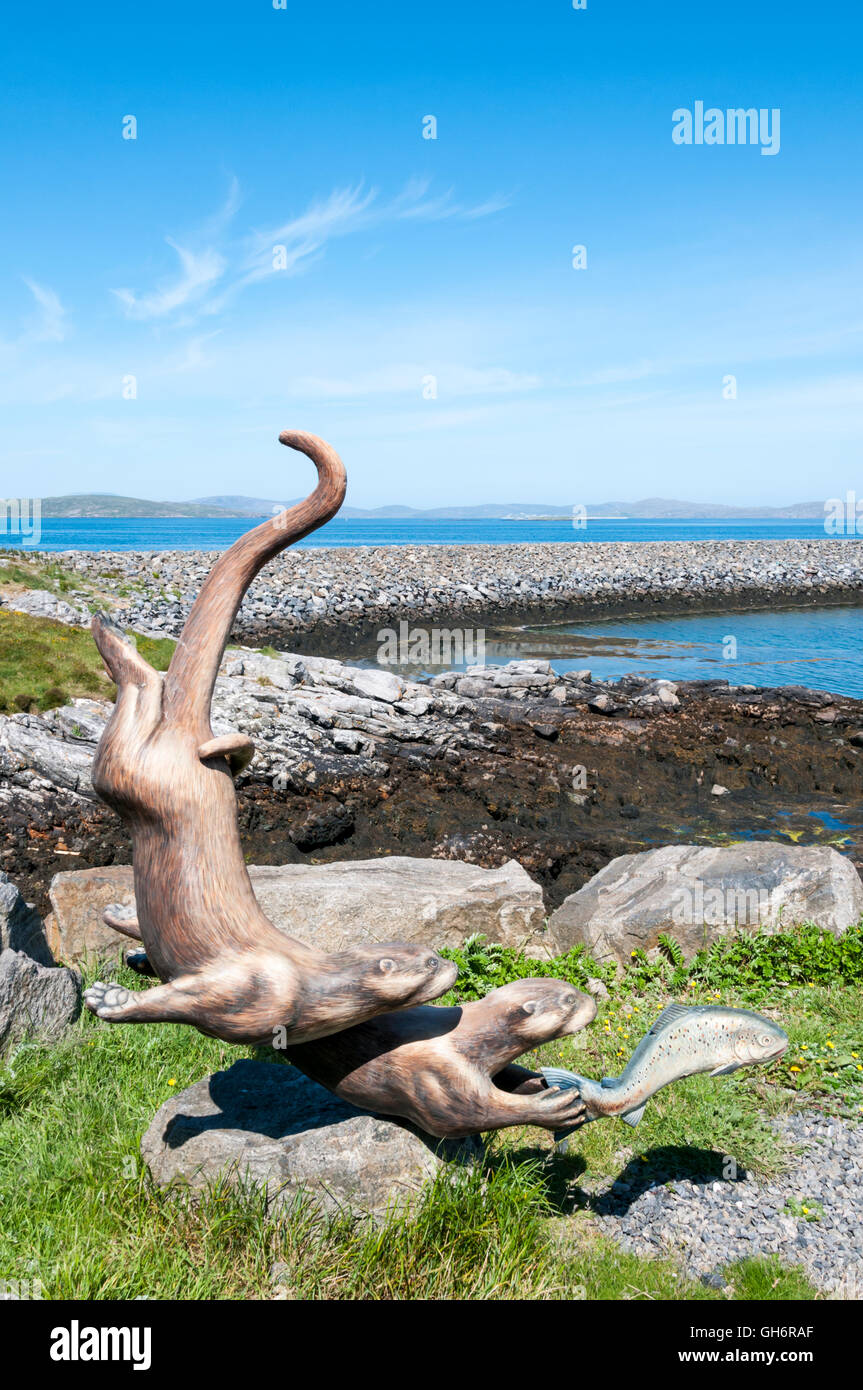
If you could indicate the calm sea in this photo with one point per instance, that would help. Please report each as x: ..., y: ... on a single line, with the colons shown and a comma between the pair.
x: 180, y: 533
x: 818, y: 647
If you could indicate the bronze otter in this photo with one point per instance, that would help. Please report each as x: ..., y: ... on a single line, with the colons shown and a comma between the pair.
x: 225, y: 968
x: 354, y: 1019
x: 449, y: 1070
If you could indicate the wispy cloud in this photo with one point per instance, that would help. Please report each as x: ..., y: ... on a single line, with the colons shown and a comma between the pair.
x: 201, y: 268
x: 200, y: 271
x: 214, y: 270
x: 612, y: 376
x: 49, y: 324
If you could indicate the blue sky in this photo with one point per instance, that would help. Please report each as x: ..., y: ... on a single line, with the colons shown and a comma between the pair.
x: 450, y: 258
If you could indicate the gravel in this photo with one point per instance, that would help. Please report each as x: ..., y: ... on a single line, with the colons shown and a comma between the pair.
x: 712, y: 1222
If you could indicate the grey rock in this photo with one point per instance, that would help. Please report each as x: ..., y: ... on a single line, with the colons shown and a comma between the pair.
x: 473, y: 687
x: 267, y: 1124
x: 439, y: 902
x: 30, y: 747
x: 458, y: 584
x: 696, y: 894
x: 21, y: 927
x: 35, y: 1000
x: 603, y: 703
x: 378, y: 685
x: 597, y: 988
x: 41, y: 603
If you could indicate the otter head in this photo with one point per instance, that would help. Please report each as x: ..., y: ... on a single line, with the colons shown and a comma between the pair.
x: 547, y: 1008
x: 401, y: 974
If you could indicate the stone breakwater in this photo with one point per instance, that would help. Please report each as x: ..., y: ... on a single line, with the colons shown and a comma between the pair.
x: 327, y: 592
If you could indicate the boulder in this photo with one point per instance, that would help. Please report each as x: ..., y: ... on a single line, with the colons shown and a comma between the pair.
x: 21, y: 926
x: 378, y: 685
x: 35, y: 1000
x: 696, y: 894
x: 26, y: 745
x: 267, y: 1124
x: 75, y: 931
x: 439, y: 902
x: 435, y: 901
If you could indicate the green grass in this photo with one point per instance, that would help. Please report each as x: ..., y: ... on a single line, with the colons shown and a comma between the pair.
x: 34, y: 572
x: 44, y: 663
x: 79, y: 1213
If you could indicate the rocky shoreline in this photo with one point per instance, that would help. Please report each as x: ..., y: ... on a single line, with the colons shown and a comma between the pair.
x: 315, y: 599
x: 561, y: 773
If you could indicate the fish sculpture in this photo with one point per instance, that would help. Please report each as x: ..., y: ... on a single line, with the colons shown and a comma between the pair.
x: 682, y: 1042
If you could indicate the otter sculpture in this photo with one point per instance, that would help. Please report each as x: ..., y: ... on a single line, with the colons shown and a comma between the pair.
x: 450, y: 1071
x: 224, y: 968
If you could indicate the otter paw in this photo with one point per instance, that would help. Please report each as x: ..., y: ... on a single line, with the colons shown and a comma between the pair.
x: 560, y: 1108
x: 107, y: 1001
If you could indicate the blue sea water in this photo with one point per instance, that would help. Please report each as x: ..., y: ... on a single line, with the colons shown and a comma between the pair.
x: 818, y: 647
x: 210, y: 533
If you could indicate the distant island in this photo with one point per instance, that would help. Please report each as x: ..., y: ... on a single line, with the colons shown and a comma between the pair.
x: 102, y: 504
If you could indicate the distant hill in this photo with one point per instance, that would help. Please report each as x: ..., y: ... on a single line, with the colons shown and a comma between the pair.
x: 653, y: 507
x: 106, y: 504
x: 243, y: 506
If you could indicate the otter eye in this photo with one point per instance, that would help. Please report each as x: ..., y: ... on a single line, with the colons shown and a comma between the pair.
x: 529, y: 1007
x: 387, y: 965
x: 432, y: 962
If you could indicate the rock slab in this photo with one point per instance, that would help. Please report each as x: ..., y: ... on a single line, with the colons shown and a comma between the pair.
x: 267, y: 1124
x: 439, y: 902
x: 35, y: 1000
x: 697, y: 894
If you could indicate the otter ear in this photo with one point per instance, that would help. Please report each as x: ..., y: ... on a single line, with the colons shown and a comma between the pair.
x: 529, y: 1006
x: 387, y: 965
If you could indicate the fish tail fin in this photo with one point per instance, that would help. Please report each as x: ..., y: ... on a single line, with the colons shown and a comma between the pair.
x: 566, y: 1080
x: 632, y: 1117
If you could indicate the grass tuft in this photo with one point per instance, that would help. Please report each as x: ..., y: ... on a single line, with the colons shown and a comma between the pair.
x: 44, y: 664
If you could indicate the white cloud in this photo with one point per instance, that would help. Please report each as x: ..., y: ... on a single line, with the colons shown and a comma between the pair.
x: 612, y: 376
